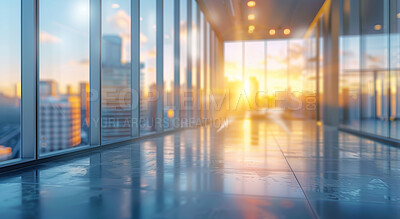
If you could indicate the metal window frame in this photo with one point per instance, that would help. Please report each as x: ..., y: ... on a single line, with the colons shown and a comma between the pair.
x: 95, y: 72
x: 160, y: 66
x: 205, y: 68
x: 29, y: 78
x: 208, y: 68
x: 198, y: 73
x: 188, y: 96
x: 135, y: 67
x: 212, y: 71
x: 177, y: 70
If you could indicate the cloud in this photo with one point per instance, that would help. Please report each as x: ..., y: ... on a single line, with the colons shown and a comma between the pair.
x: 84, y: 62
x: 143, y: 38
x: 121, y: 20
x: 152, y: 54
x: 296, y: 51
x: 45, y: 37
x: 150, y: 70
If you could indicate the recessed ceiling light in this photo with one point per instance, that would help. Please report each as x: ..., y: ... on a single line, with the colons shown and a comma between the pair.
x: 251, y: 4
x: 272, y: 32
x: 251, y: 31
x: 378, y: 27
x: 252, y: 27
x: 286, y: 31
x: 251, y: 17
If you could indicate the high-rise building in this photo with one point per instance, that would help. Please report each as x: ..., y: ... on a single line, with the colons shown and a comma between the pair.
x: 84, y: 93
x: 116, y: 93
x: 111, y: 50
x: 48, y: 88
x: 60, y: 123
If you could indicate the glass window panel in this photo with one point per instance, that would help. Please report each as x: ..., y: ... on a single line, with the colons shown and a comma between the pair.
x: 116, y: 71
x: 64, y: 75
x: 395, y: 69
x: 169, y: 63
x: 310, y: 76
x: 349, y: 75
x: 10, y: 79
x: 350, y: 81
x: 148, y: 66
x: 276, y: 70
x: 233, y: 61
x: 296, y: 64
x: 254, y: 72
x: 374, y: 64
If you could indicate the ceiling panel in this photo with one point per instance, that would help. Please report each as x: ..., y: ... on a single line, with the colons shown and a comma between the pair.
x: 230, y: 17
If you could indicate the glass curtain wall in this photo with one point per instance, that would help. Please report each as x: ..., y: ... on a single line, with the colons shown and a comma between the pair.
x: 349, y: 85
x: 168, y: 63
x: 234, y: 74
x: 277, y: 72
x: 148, y: 91
x: 272, y: 73
x: 116, y: 71
x: 254, y: 72
x: 369, y: 67
x: 394, y: 68
x: 65, y: 33
x: 310, y: 75
x: 374, y: 68
x: 63, y: 113
x: 296, y: 65
x: 10, y: 80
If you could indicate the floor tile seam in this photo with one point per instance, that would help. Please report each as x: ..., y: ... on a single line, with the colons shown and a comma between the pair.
x: 315, y: 214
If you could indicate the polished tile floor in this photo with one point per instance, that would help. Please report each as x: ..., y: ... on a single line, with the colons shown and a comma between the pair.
x: 249, y: 169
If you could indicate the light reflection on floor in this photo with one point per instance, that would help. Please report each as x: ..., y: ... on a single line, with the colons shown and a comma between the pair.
x: 250, y: 169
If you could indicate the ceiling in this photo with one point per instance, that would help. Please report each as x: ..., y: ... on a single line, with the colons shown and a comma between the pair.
x: 229, y: 17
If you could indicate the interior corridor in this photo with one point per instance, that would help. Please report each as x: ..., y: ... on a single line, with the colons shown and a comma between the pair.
x: 244, y: 169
